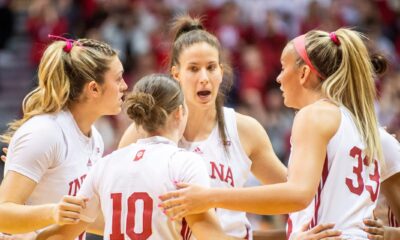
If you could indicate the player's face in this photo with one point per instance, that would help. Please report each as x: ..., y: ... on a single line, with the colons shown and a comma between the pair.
x: 289, y: 77
x: 200, y: 74
x: 113, y: 88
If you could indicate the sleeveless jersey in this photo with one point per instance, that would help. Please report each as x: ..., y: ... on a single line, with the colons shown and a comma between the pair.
x: 227, y: 169
x: 391, y: 153
x: 51, y: 150
x: 349, y: 186
x: 127, y: 183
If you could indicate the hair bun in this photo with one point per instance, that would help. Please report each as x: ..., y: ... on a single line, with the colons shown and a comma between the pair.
x: 190, y: 26
x: 184, y: 24
x: 379, y: 63
x: 141, y: 106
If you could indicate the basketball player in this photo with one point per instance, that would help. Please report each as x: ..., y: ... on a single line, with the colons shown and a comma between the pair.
x: 232, y: 145
x: 126, y: 184
x: 387, y: 210
x: 54, y: 145
x: 334, y: 162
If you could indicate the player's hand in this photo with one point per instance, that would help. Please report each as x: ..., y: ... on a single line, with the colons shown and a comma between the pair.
x: 375, y: 229
x: 189, y: 199
x: 321, y: 231
x: 68, y: 210
x: 4, y: 156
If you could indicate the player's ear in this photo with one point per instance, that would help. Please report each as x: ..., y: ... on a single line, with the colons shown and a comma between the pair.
x: 179, y: 112
x: 92, y: 89
x: 175, y: 73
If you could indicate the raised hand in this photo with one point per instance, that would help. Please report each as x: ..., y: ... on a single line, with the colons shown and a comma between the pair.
x: 319, y: 232
x: 68, y: 210
x: 188, y: 199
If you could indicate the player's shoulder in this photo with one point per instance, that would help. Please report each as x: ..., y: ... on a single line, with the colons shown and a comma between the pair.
x: 246, y: 124
x: 318, y: 110
x: 43, y: 125
x: 42, y: 121
x: 320, y: 116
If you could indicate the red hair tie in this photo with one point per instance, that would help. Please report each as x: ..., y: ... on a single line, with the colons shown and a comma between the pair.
x: 334, y: 38
x: 69, y: 42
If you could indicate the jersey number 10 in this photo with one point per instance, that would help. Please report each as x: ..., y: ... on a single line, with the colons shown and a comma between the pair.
x: 116, y: 233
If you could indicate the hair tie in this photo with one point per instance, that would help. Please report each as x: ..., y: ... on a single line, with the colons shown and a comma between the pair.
x: 69, y: 42
x: 334, y: 38
x: 300, y: 46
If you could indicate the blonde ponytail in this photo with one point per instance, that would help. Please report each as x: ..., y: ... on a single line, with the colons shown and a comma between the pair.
x: 62, y: 75
x: 349, y: 80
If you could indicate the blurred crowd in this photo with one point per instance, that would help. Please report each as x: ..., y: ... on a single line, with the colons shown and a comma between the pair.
x: 252, y: 33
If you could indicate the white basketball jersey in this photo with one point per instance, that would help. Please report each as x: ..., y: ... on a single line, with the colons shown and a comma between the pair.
x: 391, y: 153
x: 127, y: 184
x: 227, y: 169
x: 349, y: 187
x: 51, y: 150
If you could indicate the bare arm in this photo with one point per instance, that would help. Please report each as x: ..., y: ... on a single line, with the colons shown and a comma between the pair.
x: 65, y: 232
x: 391, y: 190
x: 206, y: 226
x: 98, y: 226
x: 15, y: 190
x: 265, y: 164
x: 312, y: 130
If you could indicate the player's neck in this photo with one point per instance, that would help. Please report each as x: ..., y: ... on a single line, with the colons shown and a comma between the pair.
x: 311, y: 98
x: 84, y: 117
x: 166, y: 133
x: 200, y: 124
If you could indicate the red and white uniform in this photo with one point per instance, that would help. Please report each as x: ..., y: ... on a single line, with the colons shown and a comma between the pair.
x: 391, y: 153
x: 349, y: 187
x: 227, y: 169
x: 51, y: 150
x: 127, y: 183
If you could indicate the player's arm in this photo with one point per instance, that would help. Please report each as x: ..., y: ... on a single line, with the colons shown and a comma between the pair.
x: 15, y: 190
x: 87, y: 216
x: 313, y: 127
x: 131, y: 135
x: 98, y: 226
x: 312, y: 130
x: 390, y: 173
x: 258, y: 147
x: 390, y: 188
x: 65, y: 232
x: 206, y: 226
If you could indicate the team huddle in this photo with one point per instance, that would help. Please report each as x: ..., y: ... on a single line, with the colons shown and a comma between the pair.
x: 182, y: 164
